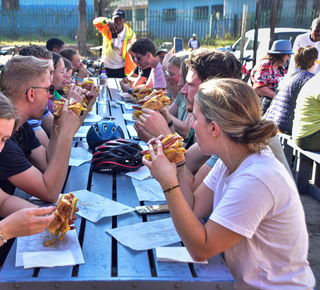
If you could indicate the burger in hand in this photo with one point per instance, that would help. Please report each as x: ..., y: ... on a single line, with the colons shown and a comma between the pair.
x: 172, y: 148
x: 64, y: 212
x: 156, y: 100
x: 73, y: 105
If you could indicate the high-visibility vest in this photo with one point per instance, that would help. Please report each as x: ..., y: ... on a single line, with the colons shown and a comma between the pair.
x: 107, y: 42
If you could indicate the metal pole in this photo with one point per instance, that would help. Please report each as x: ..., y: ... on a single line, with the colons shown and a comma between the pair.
x: 255, y: 43
x: 133, y: 15
x: 273, y: 21
x: 243, y: 30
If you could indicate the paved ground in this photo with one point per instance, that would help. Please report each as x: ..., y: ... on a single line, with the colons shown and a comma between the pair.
x: 312, y: 211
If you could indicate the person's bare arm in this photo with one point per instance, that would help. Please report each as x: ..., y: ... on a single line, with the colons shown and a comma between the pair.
x: 42, y: 136
x: 264, y: 91
x: 194, y: 158
x: 47, y: 175
x: 202, y: 241
x: 46, y: 124
x: 153, y: 123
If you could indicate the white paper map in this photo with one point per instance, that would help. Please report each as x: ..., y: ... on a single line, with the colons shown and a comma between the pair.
x: 148, y: 190
x: 92, y: 117
x: 94, y: 207
x: 82, y: 132
x: 79, y: 156
x: 32, y: 253
x: 148, y: 235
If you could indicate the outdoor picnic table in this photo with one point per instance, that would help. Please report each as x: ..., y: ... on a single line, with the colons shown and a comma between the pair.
x: 107, y: 263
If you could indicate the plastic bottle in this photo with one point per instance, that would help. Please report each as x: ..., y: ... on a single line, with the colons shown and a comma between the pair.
x: 103, y: 83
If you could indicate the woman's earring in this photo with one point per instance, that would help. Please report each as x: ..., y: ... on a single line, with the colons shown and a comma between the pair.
x: 213, y: 137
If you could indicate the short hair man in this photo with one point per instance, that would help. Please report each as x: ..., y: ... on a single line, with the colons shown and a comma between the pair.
x: 55, y: 45
x: 310, y: 38
x: 42, y: 127
x: 145, y: 54
x: 24, y: 163
x: 116, y: 37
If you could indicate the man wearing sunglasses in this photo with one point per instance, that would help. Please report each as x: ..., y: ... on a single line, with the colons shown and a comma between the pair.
x: 24, y: 162
x: 42, y: 127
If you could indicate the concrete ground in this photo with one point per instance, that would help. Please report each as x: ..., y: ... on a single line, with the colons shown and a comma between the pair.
x: 312, y: 212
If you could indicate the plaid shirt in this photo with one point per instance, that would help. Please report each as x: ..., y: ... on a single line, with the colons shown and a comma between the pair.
x: 265, y: 75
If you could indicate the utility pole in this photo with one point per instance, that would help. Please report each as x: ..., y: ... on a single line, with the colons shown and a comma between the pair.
x: 255, y: 43
x: 273, y: 21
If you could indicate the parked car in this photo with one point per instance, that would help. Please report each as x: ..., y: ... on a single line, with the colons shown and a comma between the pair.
x: 263, y: 41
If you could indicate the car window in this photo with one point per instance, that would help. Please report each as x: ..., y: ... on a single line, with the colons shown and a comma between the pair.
x: 251, y: 43
x: 238, y: 43
x: 287, y: 35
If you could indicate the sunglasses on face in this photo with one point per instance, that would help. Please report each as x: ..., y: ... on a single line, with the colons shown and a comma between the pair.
x: 50, y: 89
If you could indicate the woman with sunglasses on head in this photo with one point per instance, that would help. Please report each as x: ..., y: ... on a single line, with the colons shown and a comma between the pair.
x: 255, y: 214
x: 18, y: 217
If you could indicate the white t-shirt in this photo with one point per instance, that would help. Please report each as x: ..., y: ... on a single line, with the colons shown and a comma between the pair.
x: 113, y: 59
x: 303, y: 40
x: 260, y: 201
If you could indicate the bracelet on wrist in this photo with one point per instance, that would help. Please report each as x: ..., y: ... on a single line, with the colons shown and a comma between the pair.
x: 2, y: 239
x: 172, y: 187
x: 55, y: 128
x: 79, y: 79
x: 170, y: 124
x: 181, y: 164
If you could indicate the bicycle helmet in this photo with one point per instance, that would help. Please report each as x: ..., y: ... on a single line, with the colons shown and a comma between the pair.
x: 103, y: 131
x: 119, y: 155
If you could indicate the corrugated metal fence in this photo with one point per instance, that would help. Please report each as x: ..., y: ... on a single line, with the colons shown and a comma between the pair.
x: 44, y: 22
x: 62, y: 20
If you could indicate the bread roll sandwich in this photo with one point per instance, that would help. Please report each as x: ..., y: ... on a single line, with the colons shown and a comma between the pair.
x: 72, y: 105
x: 140, y: 93
x: 172, y: 148
x: 63, y: 214
x: 156, y: 100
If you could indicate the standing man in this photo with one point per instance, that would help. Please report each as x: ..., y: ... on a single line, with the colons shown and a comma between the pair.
x: 193, y: 42
x: 116, y: 37
x: 311, y: 38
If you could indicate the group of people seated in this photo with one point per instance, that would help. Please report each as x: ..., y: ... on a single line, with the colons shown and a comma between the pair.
x: 232, y: 193
x: 234, y: 175
x: 36, y: 144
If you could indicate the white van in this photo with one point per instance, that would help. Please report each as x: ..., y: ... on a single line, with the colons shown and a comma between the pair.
x: 263, y: 41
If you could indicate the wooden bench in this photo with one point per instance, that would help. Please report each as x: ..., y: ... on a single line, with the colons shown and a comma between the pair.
x: 305, y: 166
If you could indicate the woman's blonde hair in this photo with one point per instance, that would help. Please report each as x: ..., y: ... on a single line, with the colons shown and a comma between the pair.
x: 235, y: 107
x: 7, y: 111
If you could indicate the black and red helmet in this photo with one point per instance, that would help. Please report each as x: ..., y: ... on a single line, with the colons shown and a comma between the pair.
x: 119, y: 155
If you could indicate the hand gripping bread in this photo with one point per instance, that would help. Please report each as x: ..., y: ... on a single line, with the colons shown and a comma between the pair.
x: 73, y: 105
x: 63, y: 214
x: 172, y: 148
x: 156, y: 100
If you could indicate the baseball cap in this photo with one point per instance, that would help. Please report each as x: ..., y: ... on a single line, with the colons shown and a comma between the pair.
x: 165, y: 47
x: 194, y: 35
x: 118, y: 13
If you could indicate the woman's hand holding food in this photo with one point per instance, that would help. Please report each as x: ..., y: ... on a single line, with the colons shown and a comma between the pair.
x: 76, y: 92
x: 82, y: 72
x: 160, y: 167
x: 26, y: 222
